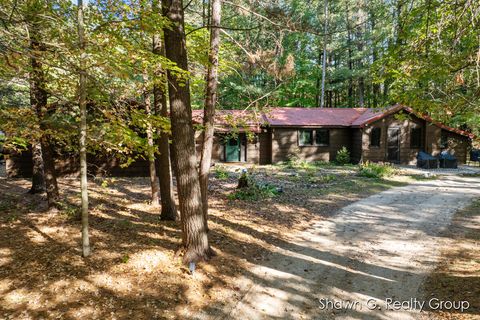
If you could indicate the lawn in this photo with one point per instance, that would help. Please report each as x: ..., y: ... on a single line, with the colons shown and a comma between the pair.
x: 133, y: 272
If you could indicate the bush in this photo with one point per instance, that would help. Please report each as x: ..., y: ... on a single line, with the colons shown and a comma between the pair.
x: 221, y: 173
x: 376, y: 170
x: 343, y: 156
x: 254, y: 191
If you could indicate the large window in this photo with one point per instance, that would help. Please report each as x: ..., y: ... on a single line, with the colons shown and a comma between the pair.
x: 416, y: 138
x: 375, y: 137
x: 314, y: 137
x: 305, y: 137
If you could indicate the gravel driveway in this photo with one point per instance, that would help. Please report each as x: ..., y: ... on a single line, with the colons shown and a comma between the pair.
x: 375, y: 249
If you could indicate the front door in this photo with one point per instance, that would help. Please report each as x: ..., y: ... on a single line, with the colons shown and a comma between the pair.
x: 232, y: 150
x: 393, y: 144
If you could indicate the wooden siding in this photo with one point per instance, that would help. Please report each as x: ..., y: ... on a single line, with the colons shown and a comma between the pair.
x: 458, y: 145
x: 379, y: 154
x: 356, y: 148
x: 265, y: 152
x: 20, y: 165
x: 285, y: 144
x: 431, y: 137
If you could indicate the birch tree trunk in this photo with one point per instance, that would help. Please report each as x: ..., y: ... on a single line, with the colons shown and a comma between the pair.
x: 209, y: 109
x: 195, y: 238
x: 82, y: 95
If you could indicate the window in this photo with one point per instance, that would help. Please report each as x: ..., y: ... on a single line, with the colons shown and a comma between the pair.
x: 322, y: 137
x: 375, y: 137
x: 305, y: 137
x: 416, y: 138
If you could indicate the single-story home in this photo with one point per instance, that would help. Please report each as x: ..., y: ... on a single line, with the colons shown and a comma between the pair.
x: 394, y: 134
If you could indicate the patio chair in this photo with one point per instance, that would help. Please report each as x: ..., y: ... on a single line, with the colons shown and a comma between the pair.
x: 447, y: 160
x: 475, y: 156
x: 426, y: 161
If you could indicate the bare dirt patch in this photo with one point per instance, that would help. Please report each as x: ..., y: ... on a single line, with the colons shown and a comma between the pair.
x: 132, y: 273
x: 457, y: 276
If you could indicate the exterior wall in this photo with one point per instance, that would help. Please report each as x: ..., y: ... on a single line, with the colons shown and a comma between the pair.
x: 20, y: 165
x: 265, y: 152
x: 458, y: 144
x: 250, y: 150
x: 285, y: 143
x: 379, y: 154
x: 432, y: 139
x: 356, y: 149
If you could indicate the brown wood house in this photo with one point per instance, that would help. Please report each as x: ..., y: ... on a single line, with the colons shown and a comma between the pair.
x: 395, y: 134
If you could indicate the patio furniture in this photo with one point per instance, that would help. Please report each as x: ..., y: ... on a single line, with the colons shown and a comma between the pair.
x: 447, y: 160
x: 426, y: 161
x: 475, y: 155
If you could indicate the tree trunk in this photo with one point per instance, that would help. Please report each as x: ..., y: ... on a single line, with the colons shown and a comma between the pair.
x: 38, y: 100
x: 155, y: 189
x: 82, y: 97
x: 209, y: 110
x: 169, y: 209
x: 319, y: 80
x: 350, y: 61
x: 50, y: 174
x: 361, y: 79
x: 324, y: 58
x: 195, y: 238
x: 38, y: 183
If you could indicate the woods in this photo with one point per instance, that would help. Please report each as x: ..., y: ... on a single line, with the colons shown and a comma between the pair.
x: 121, y: 79
x: 208, y: 159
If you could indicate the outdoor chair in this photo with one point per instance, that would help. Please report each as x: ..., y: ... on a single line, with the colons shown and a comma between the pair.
x: 475, y: 155
x: 447, y: 160
x: 426, y: 161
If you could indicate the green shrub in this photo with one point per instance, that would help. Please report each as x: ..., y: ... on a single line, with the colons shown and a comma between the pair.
x: 254, y: 191
x: 343, y: 156
x: 376, y: 170
x: 221, y: 173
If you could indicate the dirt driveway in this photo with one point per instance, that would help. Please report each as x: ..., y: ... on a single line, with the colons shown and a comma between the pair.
x: 378, y: 248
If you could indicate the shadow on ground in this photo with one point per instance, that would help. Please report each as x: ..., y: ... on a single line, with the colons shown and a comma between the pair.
x: 132, y: 273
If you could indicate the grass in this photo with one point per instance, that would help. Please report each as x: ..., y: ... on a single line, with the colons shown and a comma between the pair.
x: 221, y: 172
x: 376, y: 170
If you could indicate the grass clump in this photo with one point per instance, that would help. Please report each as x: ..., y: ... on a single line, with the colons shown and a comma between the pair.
x: 221, y: 173
x: 376, y: 170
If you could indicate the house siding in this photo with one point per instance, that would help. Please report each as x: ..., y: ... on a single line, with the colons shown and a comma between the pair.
x: 458, y: 145
x: 356, y: 145
x: 431, y: 137
x: 285, y: 144
x: 265, y: 151
x: 20, y: 166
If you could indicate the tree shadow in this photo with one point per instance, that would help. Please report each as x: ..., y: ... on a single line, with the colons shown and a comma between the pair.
x: 132, y: 273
